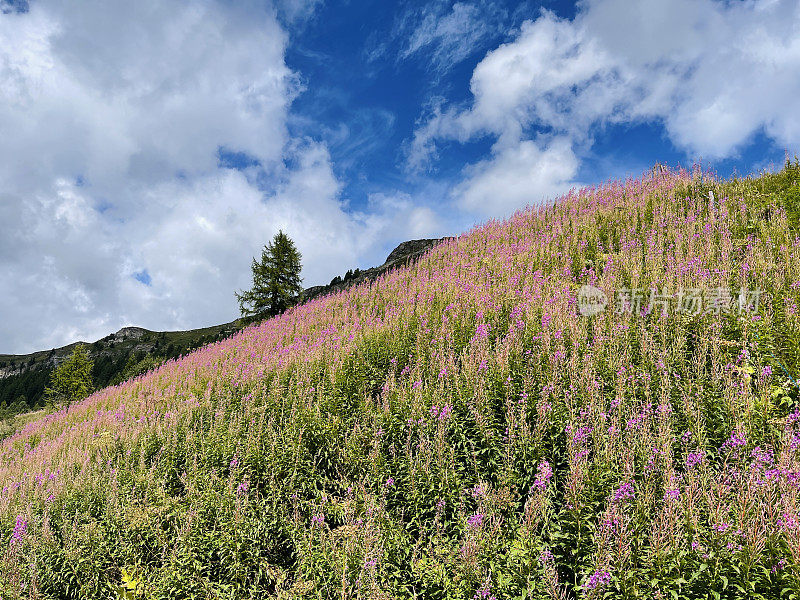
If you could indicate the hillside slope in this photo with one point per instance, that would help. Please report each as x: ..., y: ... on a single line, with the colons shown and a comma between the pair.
x: 23, y: 377
x: 456, y: 428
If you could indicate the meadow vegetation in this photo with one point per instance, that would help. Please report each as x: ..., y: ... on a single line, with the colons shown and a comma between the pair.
x: 455, y: 429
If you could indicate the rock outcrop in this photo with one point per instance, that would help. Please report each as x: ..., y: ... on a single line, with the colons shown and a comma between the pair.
x: 403, y: 254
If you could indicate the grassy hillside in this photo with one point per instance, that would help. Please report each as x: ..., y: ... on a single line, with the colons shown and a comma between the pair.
x: 23, y: 377
x: 456, y: 429
x: 134, y: 350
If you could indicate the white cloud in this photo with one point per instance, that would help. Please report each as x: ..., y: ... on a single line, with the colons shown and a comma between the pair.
x: 712, y: 73
x: 138, y: 90
x: 518, y: 175
x: 111, y: 118
x: 297, y: 10
x: 447, y: 37
x: 440, y: 33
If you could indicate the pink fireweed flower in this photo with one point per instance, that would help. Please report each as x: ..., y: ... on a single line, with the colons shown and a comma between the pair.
x: 19, y: 530
x: 788, y: 522
x: 484, y: 593
x: 598, y: 579
x: 733, y: 547
x: 721, y: 527
x: 695, y: 458
x: 543, y: 474
x: 580, y: 435
x: 735, y: 441
x: 651, y: 462
x: 441, y: 413
x: 624, y: 492
x: 778, y: 566
x: 762, y: 458
x: 318, y: 519
x: 475, y: 521
x: 479, y: 491
x: 579, y: 439
x: 546, y: 556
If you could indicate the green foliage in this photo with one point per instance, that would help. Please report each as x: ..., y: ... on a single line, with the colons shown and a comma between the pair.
x: 134, y: 367
x: 276, y: 281
x: 110, y: 362
x: 389, y: 442
x: 29, y: 385
x: 71, y: 380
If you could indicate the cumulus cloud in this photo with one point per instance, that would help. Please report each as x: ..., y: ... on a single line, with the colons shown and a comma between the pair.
x: 120, y: 125
x: 713, y: 74
x: 112, y: 117
x: 519, y: 175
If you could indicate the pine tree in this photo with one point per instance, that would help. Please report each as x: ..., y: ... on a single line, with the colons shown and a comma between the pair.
x: 71, y: 380
x: 276, y: 281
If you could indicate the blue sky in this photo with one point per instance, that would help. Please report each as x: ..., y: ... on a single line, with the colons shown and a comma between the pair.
x: 361, y: 79
x: 150, y: 149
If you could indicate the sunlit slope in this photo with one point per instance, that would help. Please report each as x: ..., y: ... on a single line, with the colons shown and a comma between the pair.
x: 457, y: 428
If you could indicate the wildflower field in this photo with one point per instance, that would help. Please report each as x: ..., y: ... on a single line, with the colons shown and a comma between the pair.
x: 457, y: 429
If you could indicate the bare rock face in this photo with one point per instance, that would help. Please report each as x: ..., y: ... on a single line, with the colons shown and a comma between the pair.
x: 129, y: 333
x: 401, y: 255
x: 410, y: 249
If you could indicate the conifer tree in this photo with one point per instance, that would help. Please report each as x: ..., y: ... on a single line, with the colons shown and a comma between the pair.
x: 71, y: 380
x: 276, y: 281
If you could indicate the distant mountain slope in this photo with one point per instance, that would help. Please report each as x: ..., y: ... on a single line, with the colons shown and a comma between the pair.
x: 23, y: 378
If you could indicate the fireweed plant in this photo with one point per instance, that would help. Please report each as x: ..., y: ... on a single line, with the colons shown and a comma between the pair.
x: 456, y: 429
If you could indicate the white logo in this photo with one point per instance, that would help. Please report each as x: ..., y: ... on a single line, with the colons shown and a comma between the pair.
x: 591, y: 300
